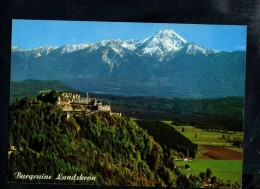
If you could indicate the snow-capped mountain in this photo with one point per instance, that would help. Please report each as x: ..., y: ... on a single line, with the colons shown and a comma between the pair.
x: 72, y: 48
x: 35, y: 53
x: 116, y: 47
x: 161, y: 43
x: 113, y: 52
x: 157, y: 45
x: 164, y: 64
x: 193, y: 49
x: 44, y: 49
x: 16, y: 48
x: 130, y: 44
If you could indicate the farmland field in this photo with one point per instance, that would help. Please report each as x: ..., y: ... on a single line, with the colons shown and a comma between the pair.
x: 222, y: 169
x: 205, y: 137
x: 224, y: 159
x: 236, y: 149
x: 220, y: 153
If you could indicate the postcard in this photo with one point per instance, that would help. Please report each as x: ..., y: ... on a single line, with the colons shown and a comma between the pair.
x: 126, y: 104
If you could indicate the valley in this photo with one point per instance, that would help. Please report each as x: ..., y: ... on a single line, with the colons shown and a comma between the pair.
x: 216, y: 152
x: 205, y: 142
x: 160, y: 111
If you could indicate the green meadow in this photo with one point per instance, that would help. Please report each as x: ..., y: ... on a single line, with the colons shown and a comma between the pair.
x: 223, y: 169
x: 236, y: 149
x: 207, y: 137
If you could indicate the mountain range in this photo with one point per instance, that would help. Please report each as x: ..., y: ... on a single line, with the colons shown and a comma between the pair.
x: 164, y: 64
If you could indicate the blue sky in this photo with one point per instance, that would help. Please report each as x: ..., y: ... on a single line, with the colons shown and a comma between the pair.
x: 36, y: 33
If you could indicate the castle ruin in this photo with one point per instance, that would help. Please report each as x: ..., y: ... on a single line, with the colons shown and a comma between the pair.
x: 73, y: 103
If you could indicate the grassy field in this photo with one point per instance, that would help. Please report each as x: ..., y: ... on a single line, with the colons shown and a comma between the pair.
x: 236, y: 149
x: 222, y: 169
x: 204, y: 137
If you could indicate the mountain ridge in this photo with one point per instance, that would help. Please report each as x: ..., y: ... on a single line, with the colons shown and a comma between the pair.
x: 124, y: 43
x: 163, y: 64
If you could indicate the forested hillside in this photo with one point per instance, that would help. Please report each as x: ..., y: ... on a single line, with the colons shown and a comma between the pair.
x: 216, y: 113
x: 32, y: 87
x: 169, y: 138
x: 112, y: 148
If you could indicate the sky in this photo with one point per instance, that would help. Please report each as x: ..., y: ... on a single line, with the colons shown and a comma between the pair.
x: 29, y: 34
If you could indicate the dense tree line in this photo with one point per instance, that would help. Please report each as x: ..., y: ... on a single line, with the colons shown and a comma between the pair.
x: 32, y: 87
x: 224, y: 113
x: 217, y: 113
x: 114, y: 149
x: 169, y: 138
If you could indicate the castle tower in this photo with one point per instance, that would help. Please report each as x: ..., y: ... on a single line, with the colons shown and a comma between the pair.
x: 59, y: 101
x: 68, y: 115
x: 86, y: 98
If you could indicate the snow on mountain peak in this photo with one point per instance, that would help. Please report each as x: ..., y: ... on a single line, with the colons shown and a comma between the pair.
x: 43, y: 49
x: 16, y: 48
x: 162, y: 43
x: 102, y: 43
x: 72, y: 48
x: 170, y: 34
x: 193, y: 49
x: 158, y: 45
x: 36, y: 53
x: 130, y: 44
x: 115, y: 45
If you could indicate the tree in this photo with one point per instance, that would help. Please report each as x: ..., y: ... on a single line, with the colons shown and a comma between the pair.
x: 213, y: 180
x: 208, y: 172
x: 187, y: 166
x: 228, y: 137
x: 50, y: 97
x: 202, y: 176
x: 228, y: 183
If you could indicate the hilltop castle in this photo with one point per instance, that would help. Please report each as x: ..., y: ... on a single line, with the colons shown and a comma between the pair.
x: 73, y: 103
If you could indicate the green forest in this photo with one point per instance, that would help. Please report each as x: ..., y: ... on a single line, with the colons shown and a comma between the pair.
x: 172, y: 141
x: 217, y: 113
x: 31, y: 88
x: 135, y: 149
x: 112, y: 148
